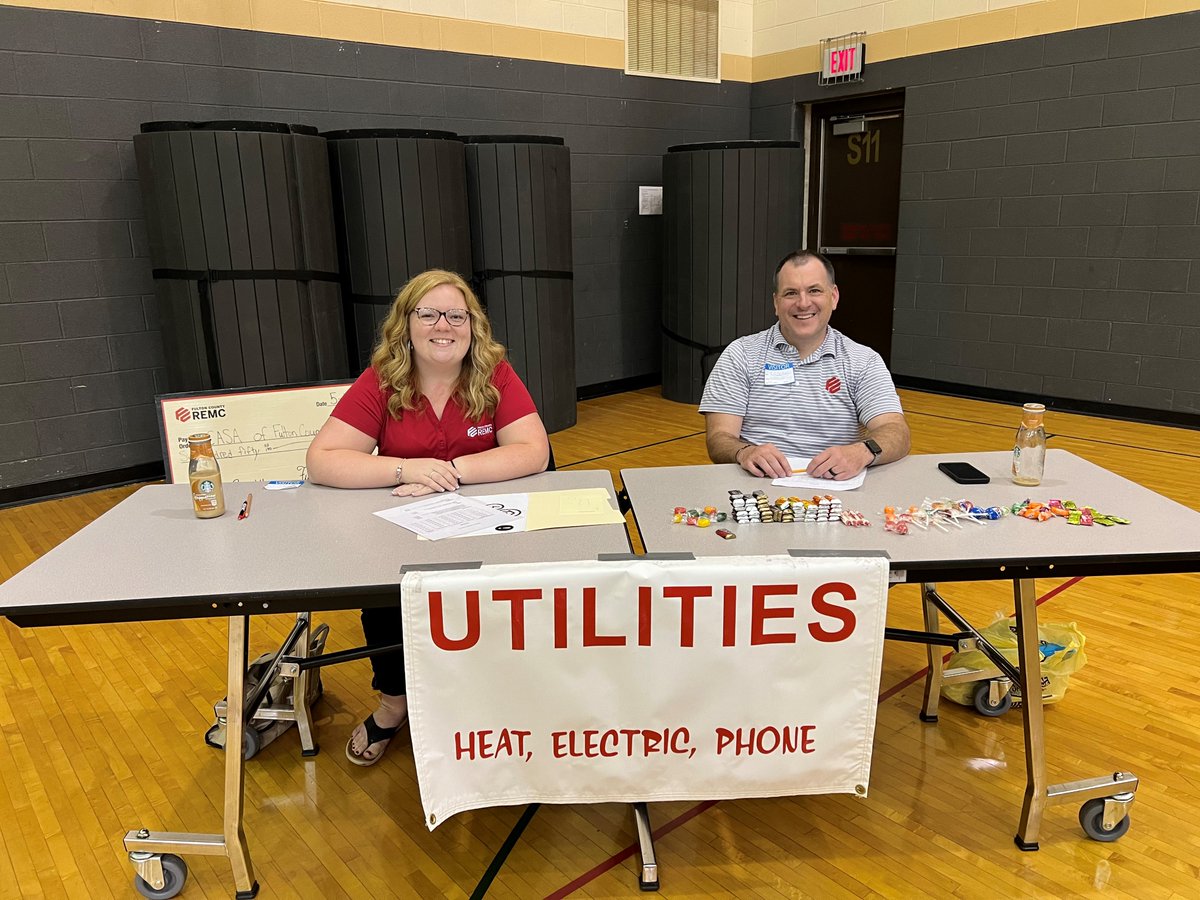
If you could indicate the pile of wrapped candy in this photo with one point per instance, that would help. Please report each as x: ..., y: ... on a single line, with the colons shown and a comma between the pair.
x: 1075, y: 515
x: 701, y: 517
x: 940, y: 514
x: 755, y: 507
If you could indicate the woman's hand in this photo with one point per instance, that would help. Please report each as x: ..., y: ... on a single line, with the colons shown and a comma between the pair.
x: 435, y: 474
x: 412, y: 490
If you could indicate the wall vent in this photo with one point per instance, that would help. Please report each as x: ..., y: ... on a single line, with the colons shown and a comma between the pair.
x: 673, y: 39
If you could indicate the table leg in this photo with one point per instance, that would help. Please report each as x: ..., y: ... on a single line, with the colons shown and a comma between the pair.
x: 933, y: 678
x: 235, y: 765
x: 146, y: 848
x: 300, y: 687
x: 648, y: 877
x: 1032, y: 714
x: 1107, y: 798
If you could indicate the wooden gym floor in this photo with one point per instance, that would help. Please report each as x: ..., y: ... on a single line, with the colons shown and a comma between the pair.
x: 102, y: 732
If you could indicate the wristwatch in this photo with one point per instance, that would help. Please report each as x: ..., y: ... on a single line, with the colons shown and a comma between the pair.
x: 875, y: 449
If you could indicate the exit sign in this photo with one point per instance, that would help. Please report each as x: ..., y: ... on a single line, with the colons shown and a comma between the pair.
x: 841, y: 61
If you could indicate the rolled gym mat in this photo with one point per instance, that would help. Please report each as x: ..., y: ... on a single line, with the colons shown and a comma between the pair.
x: 240, y: 225
x: 519, y: 191
x: 400, y: 201
x: 731, y: 210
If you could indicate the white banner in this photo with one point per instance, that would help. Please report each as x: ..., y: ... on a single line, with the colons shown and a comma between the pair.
x: 642, y: 680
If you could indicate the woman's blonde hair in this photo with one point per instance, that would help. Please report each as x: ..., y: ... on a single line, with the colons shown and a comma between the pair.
x: 393, y: 361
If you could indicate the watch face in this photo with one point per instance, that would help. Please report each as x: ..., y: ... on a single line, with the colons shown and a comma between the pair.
x: 873, y: 447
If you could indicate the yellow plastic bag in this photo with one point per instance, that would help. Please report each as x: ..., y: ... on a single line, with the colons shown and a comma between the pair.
x: 1061, y: 648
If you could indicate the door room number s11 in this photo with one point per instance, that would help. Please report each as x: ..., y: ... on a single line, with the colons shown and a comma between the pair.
x: 863, y: 148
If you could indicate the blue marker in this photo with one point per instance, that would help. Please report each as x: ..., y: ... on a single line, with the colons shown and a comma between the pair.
x: 282, y: 485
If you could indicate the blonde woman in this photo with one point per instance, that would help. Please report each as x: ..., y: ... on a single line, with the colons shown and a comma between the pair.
x: 443, y: 408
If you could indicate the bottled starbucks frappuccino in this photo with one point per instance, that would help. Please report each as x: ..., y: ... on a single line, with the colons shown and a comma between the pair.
x: 1029, y: 451
x: 208, y: 497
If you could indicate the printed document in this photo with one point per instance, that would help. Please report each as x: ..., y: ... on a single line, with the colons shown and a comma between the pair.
x: 516, y: 513
x: 446, y: 515
x: 547, y: 509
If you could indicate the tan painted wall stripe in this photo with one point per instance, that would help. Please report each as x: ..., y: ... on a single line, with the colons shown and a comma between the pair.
x: 365, y: 24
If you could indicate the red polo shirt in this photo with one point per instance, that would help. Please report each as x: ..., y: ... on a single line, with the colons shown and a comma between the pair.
x: 419, y: 433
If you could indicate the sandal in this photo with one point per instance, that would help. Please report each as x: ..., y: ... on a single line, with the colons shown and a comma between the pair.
x: 375, y: 734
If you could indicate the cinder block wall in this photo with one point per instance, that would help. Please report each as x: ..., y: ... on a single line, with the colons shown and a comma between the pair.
x: 80, y: 353
x: 1049, y: 242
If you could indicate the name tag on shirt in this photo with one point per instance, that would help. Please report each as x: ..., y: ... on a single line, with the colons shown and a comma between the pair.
x: 779, y: 373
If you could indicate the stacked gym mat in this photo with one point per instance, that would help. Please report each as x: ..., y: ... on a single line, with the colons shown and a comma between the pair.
x: 400, y: 200
x: 731, y: 210
x: 253, y: 224
x: 519, y: 190
x: 242, y: 238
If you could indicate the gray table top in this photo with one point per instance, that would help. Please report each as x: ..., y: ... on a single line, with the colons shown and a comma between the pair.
x: 1164, y: 535
x: 309, y: 548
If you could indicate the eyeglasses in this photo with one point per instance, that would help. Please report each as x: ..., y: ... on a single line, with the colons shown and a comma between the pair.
x: 427, y: 315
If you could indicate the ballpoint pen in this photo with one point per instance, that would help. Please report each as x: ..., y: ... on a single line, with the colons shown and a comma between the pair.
x: 245, y: 511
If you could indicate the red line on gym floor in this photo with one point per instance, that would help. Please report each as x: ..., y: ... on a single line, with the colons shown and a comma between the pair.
x: 623, y: 855
x: 686, y: 816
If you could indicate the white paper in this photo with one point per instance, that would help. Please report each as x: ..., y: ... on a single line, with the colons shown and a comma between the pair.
x: 800, y: 480
x: 446, y: 515
x: 516, y: 511
x: 650, y: 200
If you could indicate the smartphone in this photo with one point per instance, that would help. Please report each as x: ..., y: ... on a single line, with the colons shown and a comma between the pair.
x: 963, y: 473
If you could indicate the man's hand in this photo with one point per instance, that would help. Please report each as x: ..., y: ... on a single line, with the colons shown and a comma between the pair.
x: 764, y: 460
x: 840, y: 463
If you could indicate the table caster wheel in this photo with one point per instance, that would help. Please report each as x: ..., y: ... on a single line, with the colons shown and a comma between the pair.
x: 251, y: 742
x: 174, y: 871
x: 1091, y: 817
x: 984, y: 704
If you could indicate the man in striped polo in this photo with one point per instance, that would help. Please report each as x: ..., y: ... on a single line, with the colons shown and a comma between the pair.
x: 803, y: 389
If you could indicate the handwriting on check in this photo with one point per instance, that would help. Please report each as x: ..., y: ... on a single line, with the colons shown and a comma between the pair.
x: 233, y: 443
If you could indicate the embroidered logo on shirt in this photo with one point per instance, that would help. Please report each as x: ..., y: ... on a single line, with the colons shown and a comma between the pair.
x: 479, y: 430
x: 833, y: 385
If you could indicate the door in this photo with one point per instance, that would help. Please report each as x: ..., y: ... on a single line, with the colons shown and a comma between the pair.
x: 855, y: 208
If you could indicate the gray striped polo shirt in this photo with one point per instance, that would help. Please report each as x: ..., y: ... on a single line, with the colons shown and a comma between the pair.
x: 835, y: 391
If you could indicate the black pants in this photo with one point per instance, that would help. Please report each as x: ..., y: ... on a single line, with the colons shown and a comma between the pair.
x: 382, y: 626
